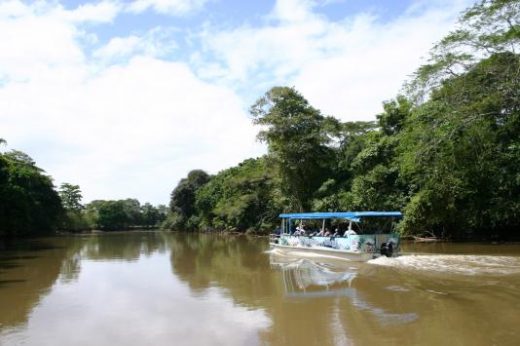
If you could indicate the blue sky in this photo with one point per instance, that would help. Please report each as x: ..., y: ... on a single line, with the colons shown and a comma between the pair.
x: 125, y: 97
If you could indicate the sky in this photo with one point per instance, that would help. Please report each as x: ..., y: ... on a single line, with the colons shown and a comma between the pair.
x: 124, y: 98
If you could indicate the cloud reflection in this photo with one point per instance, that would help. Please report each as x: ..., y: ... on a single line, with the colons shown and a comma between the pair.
x: 107, y: 305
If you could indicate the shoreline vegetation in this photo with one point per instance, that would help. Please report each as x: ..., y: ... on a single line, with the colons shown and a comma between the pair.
x: 445, y: 152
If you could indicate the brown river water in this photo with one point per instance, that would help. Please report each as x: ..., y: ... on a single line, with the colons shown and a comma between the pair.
x: 153, y: 288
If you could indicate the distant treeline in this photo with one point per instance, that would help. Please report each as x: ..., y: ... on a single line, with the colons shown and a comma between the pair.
x: 108, y: 215
x: 446, y: 151
x: 30, y: 205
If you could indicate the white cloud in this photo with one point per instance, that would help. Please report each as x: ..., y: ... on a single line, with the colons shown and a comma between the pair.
x: 30, y: 42
x: 104, y: 11
x: 171, y: 7
x: 127, y: 130
x: 34, y: 37
x: 11, y: 9
x: 293, y: 10
x: 135, y: 129
x: 119, y: 47
x: 345, y: 68
x: 156, y: 42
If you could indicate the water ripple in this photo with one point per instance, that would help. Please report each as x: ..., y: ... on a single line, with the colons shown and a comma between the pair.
x: 455, y: 264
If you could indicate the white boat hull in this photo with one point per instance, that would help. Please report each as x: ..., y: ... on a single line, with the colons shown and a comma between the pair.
x: 324, y: 251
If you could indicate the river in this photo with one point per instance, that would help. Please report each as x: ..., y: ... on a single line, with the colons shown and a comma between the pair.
x: 155, y: 288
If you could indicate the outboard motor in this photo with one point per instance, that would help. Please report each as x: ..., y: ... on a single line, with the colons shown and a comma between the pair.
x: 387, y: 249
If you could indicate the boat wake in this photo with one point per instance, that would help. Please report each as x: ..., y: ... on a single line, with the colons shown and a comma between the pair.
x: 304, y: 279
x: 305, y: 273
x: 454, y: 264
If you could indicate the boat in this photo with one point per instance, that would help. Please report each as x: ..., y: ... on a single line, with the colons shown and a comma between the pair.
x: 364, y: 239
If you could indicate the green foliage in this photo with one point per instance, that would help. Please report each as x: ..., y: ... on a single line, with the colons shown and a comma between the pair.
x: 392, y: 120
x: 299, y: 140
x: 182, y: 202
x: 460, y: 152
x: 28, y: 202
x: 353, y: 139
x: 123, y: 214
x: 112, y: 215
x: 151, y: 216
x: 240, y: 198
x: 76, y: 221
x: 375, y: 182
x: 487, y: 28
x: 70, y: 196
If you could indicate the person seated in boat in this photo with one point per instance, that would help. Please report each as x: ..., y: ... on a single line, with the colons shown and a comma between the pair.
x: 327, y: 233
x: 299, y: 231
x: 349, y: 232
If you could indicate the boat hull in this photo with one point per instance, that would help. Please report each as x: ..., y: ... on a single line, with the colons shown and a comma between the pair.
x: 323, y: 251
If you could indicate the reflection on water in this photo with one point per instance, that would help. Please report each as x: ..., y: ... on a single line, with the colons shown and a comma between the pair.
x: 161, y: 288
x: 303, y: 273
x: 118, y: 289
x: 305, y: 278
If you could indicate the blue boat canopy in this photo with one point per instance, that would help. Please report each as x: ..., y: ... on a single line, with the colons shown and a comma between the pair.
x: 348, y: 215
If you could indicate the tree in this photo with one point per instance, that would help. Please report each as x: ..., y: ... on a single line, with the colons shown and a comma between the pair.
x: 376, y: 183
x: 70, y: 197
x: 353, y: 139
x: 241, y: 198
x: 150, y: 215
x: 298, y: 139
x: 132, y: 209
x: 75, y: 218
x: 28, y: 202
x: 488, y: 27
x: 112, y: 215
x: 460, y: 148
x: 462, y: 153
x: 182, y: 201
x: 183, y: 196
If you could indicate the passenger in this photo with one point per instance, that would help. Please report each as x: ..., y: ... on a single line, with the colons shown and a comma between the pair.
x: 321, y: 233
x: 349, y: 232
x: 327, y: 233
